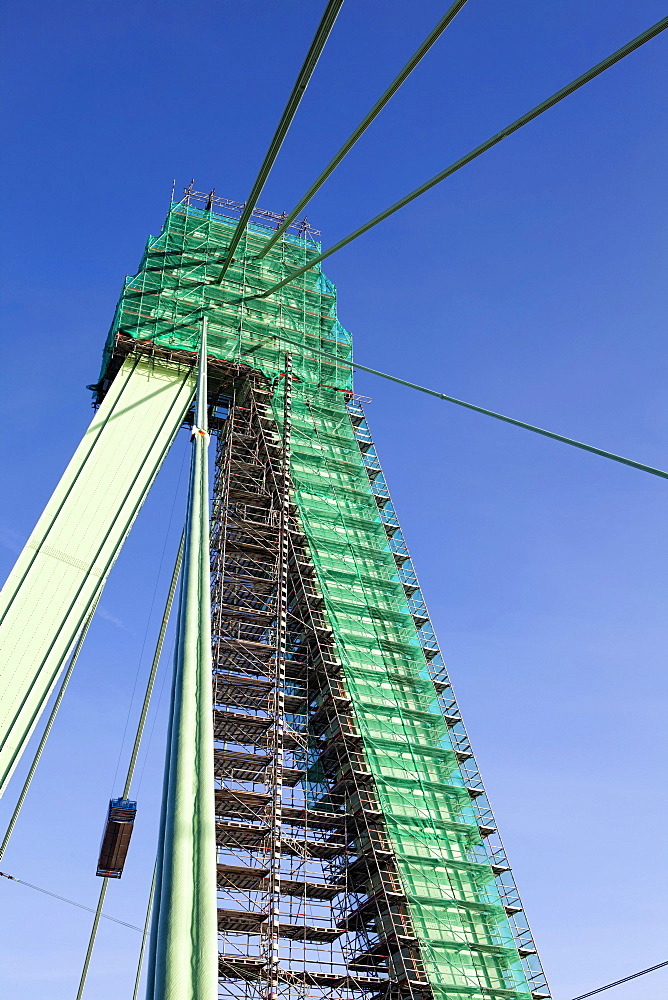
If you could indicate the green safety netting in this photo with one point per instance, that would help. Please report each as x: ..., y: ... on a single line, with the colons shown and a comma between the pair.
x: 175, y: 287
x: 455, y: 907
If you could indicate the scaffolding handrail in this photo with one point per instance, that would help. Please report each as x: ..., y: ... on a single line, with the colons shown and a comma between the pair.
x: 384, y: 99
x: 550, y: 102
x: 317, y: 45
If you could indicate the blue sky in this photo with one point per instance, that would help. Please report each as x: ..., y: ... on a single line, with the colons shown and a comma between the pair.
x: 532, y: 282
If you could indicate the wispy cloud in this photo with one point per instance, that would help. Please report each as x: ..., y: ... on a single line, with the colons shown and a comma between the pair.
x: 10, y: 539
x: 112, y: 619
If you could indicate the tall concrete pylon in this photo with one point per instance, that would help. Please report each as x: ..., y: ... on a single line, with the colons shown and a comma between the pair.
x: 67, y: 559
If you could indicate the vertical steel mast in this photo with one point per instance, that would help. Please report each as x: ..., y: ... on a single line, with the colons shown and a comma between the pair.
x: 183, y: 963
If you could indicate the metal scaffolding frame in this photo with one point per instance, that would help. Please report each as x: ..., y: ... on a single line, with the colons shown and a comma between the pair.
x: 308, y: 895
x: 357, y: 853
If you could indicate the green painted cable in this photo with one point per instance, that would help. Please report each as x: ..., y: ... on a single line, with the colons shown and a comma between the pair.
x: 93, y: 935
x: 384, y: 99
x: 626, y: 979
x: 458, y: 164
x: 147, y: 924
x: 305, y: 73
x: 160, y: 852
x: 488, y: 413
x: 48, y: 728
x: 154, y: 669
x: 133, y: 758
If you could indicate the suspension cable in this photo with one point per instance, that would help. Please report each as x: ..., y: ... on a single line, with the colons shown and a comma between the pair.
x: 93, y: 936
x: 47, y: 729
x: 145, y: 934
x: 458, y: 164
x: 385, y: 98
x: 133, y: 757
x: 154, y: 669
x: 626, y: 979
x: 64, y: 899
x: 301, y: 83
x: 481, y: 409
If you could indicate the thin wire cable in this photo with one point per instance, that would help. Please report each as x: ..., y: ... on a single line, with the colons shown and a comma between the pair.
x: 154, y: 669
x: 156, y: 715
x: 64, y: 899
x: 626, y: 979
x: 301, y: 83
x: 385, y: 98
x: 156, y: 712
x: 148, y: 625
x: 458, y: 164
x: 488, y: 413
x: 48, y: 728
x: 133, y: 759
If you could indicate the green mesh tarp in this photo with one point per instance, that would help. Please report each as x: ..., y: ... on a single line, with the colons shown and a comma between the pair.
x: 455, y: 908
x: 175, y: 286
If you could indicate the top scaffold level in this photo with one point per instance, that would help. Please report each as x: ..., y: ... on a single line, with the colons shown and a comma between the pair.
x: 174, y: 288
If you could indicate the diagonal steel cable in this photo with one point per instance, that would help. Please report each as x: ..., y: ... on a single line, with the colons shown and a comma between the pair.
x: 314, y: 52
x: 570, y: 88
x: 133, y: 758
x: 384, y: 99
x: 47, y: 729
x: 481, y: 409
x: 626, y: 979
x: 64, y: 899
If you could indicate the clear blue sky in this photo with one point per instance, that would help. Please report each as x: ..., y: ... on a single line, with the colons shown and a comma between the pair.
x: 533, y: 283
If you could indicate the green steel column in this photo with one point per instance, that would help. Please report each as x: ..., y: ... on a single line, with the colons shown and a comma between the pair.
x: 184, y: 959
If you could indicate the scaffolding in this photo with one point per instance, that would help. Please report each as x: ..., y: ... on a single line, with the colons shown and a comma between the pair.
x: 358, y: 854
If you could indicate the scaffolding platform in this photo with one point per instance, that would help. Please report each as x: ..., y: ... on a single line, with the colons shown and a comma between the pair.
x: 251, y: 921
